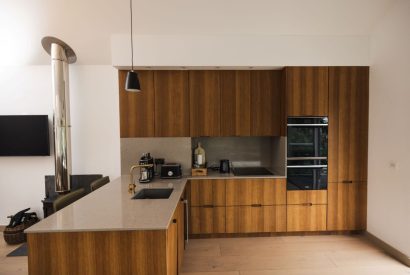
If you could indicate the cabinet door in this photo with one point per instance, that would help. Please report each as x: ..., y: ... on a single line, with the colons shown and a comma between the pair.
x: 181, y: 235
x: 248, y: 219
x: 266, y: 93
x: 172, y: 246
x: 348, y: 123
x: 306, y: 217
x: 207, y: 220
x: 207, y: 193
x: 255, y: 191
x: 307, y: 91
x: 307, y: 196
x: 171, y: 104
x: 235, y: 103
x: 137, y: 109
x: 347, y: 206
x: 204, y: 93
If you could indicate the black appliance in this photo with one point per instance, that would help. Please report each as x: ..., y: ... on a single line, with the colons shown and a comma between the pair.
x: 224, y: 166
x: 307, y: 153
x: 147, y: 170
x: 24, y: 135
x: 171, y: 171
x: 251, y: 171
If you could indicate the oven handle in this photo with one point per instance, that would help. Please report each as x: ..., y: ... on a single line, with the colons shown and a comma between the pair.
x: 306, y: 158
x: 306, y: 166
x: 309, y: 125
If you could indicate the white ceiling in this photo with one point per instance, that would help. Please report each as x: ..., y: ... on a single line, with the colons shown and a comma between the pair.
x: 86, y: 25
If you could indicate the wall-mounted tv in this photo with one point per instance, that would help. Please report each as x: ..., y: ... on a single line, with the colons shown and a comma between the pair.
x: 25, y: 135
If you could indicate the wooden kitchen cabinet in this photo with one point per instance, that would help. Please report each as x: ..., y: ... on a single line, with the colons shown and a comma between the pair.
x: 253, y: 219
x: 307, y: 196
x: 266, y: 112
x: 207, y: 220
x: 171, y: 104
x: 348, y: 123
x: 306, y: 217
x: 255, y: 191
x: 347, y: 206
x: 172, y: 246
x: 137, y: 109
x: 206, y: 192
x: 235, y: 103
x: 205, y: 103
x: 307, y: 91
x: 181, y: 233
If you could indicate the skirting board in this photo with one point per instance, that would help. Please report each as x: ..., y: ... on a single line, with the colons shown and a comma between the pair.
x: 389, y: 249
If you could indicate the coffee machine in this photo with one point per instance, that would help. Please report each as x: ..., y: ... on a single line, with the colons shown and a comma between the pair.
x: 147, y: 170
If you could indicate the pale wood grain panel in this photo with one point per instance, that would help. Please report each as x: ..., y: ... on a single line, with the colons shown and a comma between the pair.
x: 306, y: 218
x: 206, y: 220
x: 207, y: 192
x: 307, y: 196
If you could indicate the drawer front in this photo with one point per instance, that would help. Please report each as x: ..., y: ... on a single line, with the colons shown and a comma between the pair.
x: 206, y: 220
x: 306, y: 218
x: 244, y: 192
x: 207, y: 192
x: 307, y: 197
x: 248, y: 219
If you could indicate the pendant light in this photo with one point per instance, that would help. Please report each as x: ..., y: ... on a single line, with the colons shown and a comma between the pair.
x: 132, y: 83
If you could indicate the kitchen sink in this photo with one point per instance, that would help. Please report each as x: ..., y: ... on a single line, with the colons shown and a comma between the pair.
x: 153, y: 193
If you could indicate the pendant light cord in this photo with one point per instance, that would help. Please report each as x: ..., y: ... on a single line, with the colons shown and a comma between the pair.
x: 132, y: 45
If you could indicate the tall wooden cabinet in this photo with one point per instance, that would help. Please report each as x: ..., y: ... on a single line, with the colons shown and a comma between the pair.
x: 171, y: 103
x: 137, y: 109
x: 307, y: 91
x: 205, y: 104
x: 348, y: 138
x: 235, y: 103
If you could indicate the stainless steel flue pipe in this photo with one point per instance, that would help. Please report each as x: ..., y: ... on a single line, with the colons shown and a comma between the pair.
x: 61, y: 55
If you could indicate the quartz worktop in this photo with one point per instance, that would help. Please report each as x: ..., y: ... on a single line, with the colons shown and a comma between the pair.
x: 110, y: 208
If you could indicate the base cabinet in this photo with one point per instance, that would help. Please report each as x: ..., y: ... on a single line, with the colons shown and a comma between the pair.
x: 306, y: 217
x: 347, y: 206
x: 207, y: 220
x: 254, y: 219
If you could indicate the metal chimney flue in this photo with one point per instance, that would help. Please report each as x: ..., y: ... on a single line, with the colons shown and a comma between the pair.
x: 61, y: 55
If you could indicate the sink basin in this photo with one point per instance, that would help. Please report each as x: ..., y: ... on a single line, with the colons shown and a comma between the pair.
x: 153, y: 193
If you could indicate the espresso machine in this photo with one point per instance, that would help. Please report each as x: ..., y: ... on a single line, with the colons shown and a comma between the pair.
x: 147, y: 170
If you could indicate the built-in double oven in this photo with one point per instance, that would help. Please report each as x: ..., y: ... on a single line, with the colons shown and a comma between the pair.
x: 307, y: 153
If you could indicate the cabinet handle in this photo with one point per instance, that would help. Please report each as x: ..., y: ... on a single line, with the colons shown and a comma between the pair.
x: 208, y: 206
x: 307, y: 204
x: 174, y: 220
x: 256, y: 205
x: 347, y: 181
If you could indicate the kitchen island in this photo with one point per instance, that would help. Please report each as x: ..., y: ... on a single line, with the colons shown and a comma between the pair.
x: 107, y: 232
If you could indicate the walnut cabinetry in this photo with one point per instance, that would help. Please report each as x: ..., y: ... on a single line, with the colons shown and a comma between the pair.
x: 307, y: 91
x: 306, y: 210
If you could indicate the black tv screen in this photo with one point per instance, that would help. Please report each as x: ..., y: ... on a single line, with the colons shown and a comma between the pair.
x: 26, y: 135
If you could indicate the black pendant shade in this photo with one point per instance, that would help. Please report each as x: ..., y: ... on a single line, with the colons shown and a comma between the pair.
x: 132, y: 83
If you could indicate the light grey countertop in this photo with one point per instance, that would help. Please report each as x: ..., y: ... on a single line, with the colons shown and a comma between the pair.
x: 110, y: 208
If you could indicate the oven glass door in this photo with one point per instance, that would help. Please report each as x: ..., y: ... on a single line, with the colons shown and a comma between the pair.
x: 307, y: 177
x: 307, y: 137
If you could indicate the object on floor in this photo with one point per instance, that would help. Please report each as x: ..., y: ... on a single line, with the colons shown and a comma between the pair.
x: 19, y: 251
x: 14, y: 232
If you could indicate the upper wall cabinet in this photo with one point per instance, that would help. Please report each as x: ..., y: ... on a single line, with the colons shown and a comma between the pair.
x: 235, y: 103
x: 171, y: 103
x: 137, y: 109
x: 205, y: 104
x: 348, y: 123
x: 307, y: 91
x: 266, y: 109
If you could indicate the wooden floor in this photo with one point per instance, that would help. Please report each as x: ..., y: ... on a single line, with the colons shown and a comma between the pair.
x: 309, y: 255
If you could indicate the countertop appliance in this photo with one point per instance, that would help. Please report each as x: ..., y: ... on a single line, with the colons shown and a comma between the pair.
x: 171, y: 171
x: 251, y: 171
x: 307, y: 153
x: 146, y: 173
x: 224, y: 166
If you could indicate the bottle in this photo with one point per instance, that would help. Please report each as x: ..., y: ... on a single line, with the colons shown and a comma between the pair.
x: 199, y: 155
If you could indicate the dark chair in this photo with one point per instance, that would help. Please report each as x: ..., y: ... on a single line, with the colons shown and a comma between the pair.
x: 64, y: 200
x: 99, y: 183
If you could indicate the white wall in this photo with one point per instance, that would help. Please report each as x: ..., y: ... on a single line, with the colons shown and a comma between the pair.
x: 95, y: 130
x: 389, y: 136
